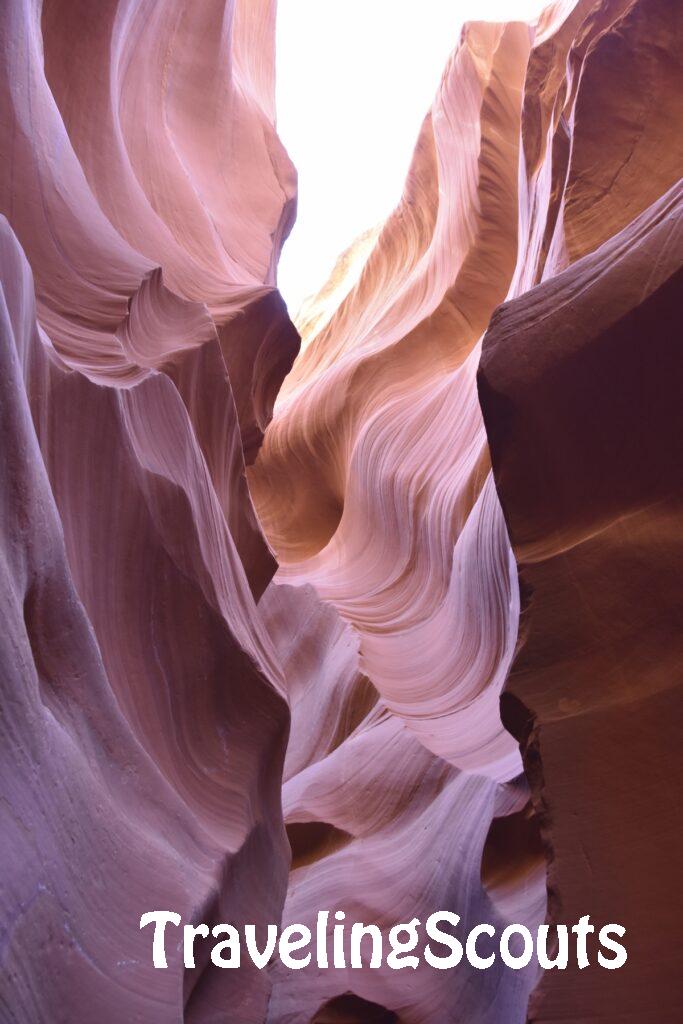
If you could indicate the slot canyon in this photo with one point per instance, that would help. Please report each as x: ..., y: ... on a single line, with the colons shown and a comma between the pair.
x: 376, y: 609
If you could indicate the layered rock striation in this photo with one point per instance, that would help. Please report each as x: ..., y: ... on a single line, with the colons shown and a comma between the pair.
x: 459, y: 690
x: 545, y: 179
x: 144, y: 715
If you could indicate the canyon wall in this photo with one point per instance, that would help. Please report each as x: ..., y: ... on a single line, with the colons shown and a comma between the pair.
x: 528, y: 274
x: 389, y: 628
x: 145, y: 718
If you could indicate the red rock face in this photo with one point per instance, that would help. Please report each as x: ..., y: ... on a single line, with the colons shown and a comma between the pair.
x: 418, y: 647
x: 144, y: 715
x: 580, y: 382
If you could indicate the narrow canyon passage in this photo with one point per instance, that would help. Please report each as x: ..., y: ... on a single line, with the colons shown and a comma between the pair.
x: 406, y: 541
x: 370, y: 607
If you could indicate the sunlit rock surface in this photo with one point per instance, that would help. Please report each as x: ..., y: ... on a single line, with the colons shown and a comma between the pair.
x: 460, y: 689
x: 544, y: 176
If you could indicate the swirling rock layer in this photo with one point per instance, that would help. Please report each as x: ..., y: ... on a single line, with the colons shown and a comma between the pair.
x: 144, y: 716
x: 544, y: 175
x: 460, y: 690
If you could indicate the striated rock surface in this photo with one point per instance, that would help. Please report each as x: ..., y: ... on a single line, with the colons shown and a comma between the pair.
x: 595, y: 692
x: 374, y: 485
x: 144, y: 719
x: 461, y: 689
x: 545, y: 176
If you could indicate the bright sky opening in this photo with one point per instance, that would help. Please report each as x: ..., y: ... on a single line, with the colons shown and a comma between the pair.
x: 355, y: 78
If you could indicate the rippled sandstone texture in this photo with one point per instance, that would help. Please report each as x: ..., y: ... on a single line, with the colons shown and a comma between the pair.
x: 144, y: 717
x: 545, y: 179
x: 465, y: 499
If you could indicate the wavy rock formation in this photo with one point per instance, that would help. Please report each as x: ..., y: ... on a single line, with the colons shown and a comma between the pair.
x: 373, y: 485
x: 596, y: 684
x: 405, y: 538
x: 459, y: 692
x: 144, y: 718
x: 580, y: 385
